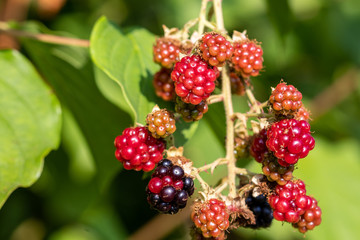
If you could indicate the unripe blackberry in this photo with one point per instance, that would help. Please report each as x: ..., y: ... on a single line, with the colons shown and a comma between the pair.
x: 241, y: 150
x: 161, y: 123
x: 285, y: 99
x: 166, y: 52
x: 237, y: 84
x: 189, y: 112
x: 137, y: 149
x: 310, y: 219
x: 258, y: 146
x: 276, y: 172
x: 194, y: 80
x: 261, y: 209
x: 247, y: 58
x: 302, y: 114
x: 215, y: 49
x: 290, y: 140
x: 290, y: 201
x: 164, y: 85
x: 169, y: 188
x: 211, y: 218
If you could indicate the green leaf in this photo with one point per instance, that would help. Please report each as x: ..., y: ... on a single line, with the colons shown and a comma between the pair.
x: 281, y: 16
x: 30, y: 123
x: 127, y: 60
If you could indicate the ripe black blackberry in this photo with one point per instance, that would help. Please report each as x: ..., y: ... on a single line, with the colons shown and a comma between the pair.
x: 261, y: 209
x: 169, y: 188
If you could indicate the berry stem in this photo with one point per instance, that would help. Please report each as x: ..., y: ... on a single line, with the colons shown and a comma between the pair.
x: 202, y: 182
x: 229, y: 112
x: 259, y: 115
x: 213, y: 165
x: 219, y: 16
x: 202, y: 16
x: 214, y: 99
x: 252, y: 100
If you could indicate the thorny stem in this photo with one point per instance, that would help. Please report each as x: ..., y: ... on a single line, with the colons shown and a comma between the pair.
x: 4, y: 27
x: 252, y: 100
x: 203, y: 184
x: 213, y: 165
x: 219, y: 16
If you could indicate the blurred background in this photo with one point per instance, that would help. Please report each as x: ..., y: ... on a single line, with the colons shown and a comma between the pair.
x: 312, y: 44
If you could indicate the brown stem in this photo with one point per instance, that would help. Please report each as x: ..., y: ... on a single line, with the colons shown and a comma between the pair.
x: 44, y: 37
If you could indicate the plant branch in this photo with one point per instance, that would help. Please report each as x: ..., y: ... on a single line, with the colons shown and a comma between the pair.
x: 214, y: 99
x: 219, y: 16
x: 213, y: 165
x: 4, y: 27
x: 202, y: 16
x: 202, y: 182
x: 252, y: 100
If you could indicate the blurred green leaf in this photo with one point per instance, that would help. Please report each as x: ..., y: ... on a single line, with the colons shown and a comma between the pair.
x: 30, y: 118
x: 73, y: 81
x: 281, y: 16
x: 127, y: 60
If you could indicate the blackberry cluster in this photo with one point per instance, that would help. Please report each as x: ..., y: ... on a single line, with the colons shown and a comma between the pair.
x: 137, y: 149
x: 310, y: 219
x: 215, y: 49
x: 290, y: 140
x: 161, y: 123
x: 190, y: 112
x: 258, y: 146
x: 164, y: 85
x: 285, y: 99
x: 166, y: 52
x: 169, y: 188
x: 247, y: 58
x: 261, y: 209
x: 194, y: 79
x: 211, y: 218
x: 275, y: 172
x: 290, y: 201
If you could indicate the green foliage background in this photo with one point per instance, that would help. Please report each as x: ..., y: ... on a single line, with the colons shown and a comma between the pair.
x: 83, y: 193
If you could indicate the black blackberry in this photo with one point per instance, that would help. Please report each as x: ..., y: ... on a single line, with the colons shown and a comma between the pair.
x: 261, y: 209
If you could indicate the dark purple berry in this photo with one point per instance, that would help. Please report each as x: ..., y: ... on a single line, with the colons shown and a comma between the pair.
x: 174, y: 209
x: 167, y: 194
x: 182, y: 197
x: 164, y: 207
x: 176, y: 172
x: 165, y: 163
x: 161, y: 171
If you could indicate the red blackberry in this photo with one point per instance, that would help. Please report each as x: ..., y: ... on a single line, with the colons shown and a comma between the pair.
x: 189, y: 112
x: 164, y: 85
x: 169, y: 188
x: 285, y: 99
x: 302, y: 114
x: 247, y: 58
x: 310, y: 219
x: 211, y: 218
x: 237, y: 84
x: 275, y: 172
x: 138, y: 150
x: 258, y: 146
x: 261, y: 209
x: 166, y: 52
x: 161, y: 123
x: 290, y: 201
x: 290, y: 140
x: 194, y: 80
x: 215, y: 49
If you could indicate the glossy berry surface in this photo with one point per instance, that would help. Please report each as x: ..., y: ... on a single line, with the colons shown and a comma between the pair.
x: 275, y: 172
x: 190, y: 112
x: 310, y: 219
x: 164, y: 85
x: 169, y: 189
x: 161, y: 123
x: 290, y: 201
x: 258, y: 146
x: 137, y: 149
x: 247, y: 58
x: 166, y: 52
x: 211, y: 218
x: 290, y: 140
x: 194, y: 79
x: 261, y: 209
x: 285, y: 99
x: 215, y: 49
